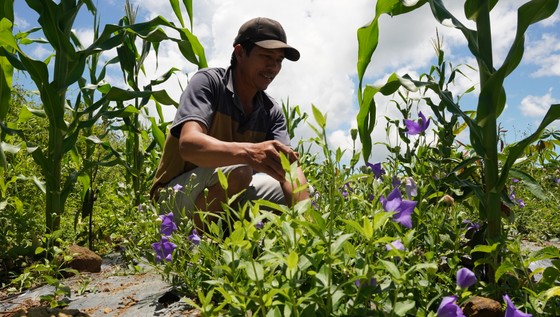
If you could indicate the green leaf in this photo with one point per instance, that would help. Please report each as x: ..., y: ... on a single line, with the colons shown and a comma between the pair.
x: 319, y: 118
x: 401, y: 308
x: 554, y: 291
x: 472, y: 7
x: 528, y: 181
x: 355, y: 225
x: 380, y: 219
x: 518, y: 148
x: 39, y: 250
x: 339, y: 243
x: 368, y: 36
x: 485, y: 248
x: 292, y: 260
x: 177, y: 10
x: 254, y: 271
x: 367, y: 228
x: 158, y: 135
x: 504, y: 268
x: 391, y: 268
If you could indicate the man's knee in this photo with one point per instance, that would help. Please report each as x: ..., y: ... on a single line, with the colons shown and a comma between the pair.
x: 239, y: 178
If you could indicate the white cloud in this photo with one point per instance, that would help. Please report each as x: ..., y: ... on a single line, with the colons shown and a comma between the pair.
x: 325, y: 33
x: 545, y: 54
x: 537, y: 106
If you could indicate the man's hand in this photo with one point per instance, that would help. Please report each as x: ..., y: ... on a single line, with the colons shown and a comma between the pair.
x: 265, y: 157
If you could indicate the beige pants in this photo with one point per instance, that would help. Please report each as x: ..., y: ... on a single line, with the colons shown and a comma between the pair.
x: 194, y: 182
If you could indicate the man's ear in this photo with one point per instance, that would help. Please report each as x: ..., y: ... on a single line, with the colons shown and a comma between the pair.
x: 238, y: 51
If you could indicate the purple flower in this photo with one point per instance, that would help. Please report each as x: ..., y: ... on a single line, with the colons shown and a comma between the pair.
x: 410, y: 187
x: 472, y: 225
x: 512, y: 193
x: 346, y: 190
x: 194, y: 237
x: 167, y: 224
x: 259, y: 225
x: 164, y: 249
x: 397, y: 245
x: 413, y: 127
x: 403, y: 208
x: 520, y: 203
x: 465, y: 278
x: 556, y: 180
x: 514, y: 180
x: 512, y: 311
x: 376, y: 169
x: 372, y: 282
x: 396, y: 182
x: 448, y: 308
x: 177, y: 187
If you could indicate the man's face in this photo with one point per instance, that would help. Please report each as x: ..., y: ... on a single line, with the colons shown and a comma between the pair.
x: 260, y: 67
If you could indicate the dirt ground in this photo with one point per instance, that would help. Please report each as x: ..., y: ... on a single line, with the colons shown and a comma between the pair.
x: 108, y: 293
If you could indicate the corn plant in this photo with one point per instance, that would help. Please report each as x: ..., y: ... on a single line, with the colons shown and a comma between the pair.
x: 66, y: 121
x: 483, y: 128
x: 6, y: 69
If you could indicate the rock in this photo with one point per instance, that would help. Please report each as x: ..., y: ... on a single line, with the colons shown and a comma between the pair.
x: 482, y: 307
x: 49, y: 312
x: 84, y: 260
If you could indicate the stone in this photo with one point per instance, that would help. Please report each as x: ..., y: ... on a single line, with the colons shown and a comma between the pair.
x: 84, y: 260
x: 49, y: 312
x: 482, y: 307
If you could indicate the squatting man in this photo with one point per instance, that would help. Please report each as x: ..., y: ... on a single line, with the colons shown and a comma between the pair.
x: 226, y: 121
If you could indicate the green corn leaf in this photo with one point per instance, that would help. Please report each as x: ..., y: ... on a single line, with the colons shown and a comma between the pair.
x: 368, y: 36
x: 528, y: 181
x: 158, y: 135
x: 177, y: 10
x: 529, y: 13
x: 472, y: 8
x: 518, y: 148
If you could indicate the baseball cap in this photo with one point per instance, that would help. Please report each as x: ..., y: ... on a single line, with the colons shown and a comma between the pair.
x: 266, y: 33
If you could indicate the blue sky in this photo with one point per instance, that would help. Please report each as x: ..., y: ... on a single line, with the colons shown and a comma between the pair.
x: 325, y: 76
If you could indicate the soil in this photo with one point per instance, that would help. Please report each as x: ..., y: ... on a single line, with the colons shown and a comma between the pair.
x: 109, y: 293
x: 113, y: 293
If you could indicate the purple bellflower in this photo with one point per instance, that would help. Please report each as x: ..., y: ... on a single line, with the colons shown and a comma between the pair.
x: 396, y: 182
x: 360, y: 283
x: 512, y: 311
x: 410, y: 187
x: 403, y: 208
x: 167, y: 224
x: 177, y: 187
x: 465, y: 278
x: 448, y: 308
x: 194, y: 237
x: 164, y: 249
x: 397, y: 245
x: 376, y: 169
x: 413, y: 127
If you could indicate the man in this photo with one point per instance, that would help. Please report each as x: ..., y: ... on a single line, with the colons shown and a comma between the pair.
x: 227, y: 122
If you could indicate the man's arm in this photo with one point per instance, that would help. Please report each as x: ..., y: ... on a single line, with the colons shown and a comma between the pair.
x: 289, y: 187
x: 197, y: 147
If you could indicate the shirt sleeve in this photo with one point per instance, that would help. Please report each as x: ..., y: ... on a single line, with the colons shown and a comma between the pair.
x: 196, y: 102
x: 278, y: 128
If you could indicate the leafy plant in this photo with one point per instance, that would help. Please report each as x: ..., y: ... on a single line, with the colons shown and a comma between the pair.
x: 483, y: 127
